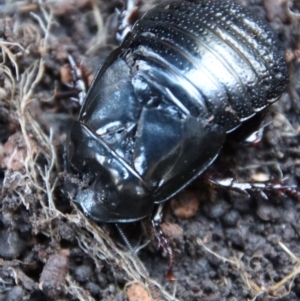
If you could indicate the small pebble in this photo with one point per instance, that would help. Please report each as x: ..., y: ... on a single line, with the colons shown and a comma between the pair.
x: 186, y: 204
x: 137, y: 292
x: 11, y: 245
x: 83, y: 273
x: 15, y: 294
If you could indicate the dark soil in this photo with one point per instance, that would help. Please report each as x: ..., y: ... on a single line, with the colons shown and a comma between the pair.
x: 228, y: 246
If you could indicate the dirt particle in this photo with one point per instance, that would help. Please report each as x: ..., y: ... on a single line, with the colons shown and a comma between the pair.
x: 171, y: 229
x: 137, y: 292
x: 235, y: 237
x: 54, y: 274
x: 11, y: 244
x: 102, y: 280
x: 15, y: 294
x: 186, y: 204
x: 83, y: 273
x: 267, y: 212
x: 66, y: 232
x: 14, y: 153
x: 93, y: 288
x: 217, y: 209
x: 231, y: 218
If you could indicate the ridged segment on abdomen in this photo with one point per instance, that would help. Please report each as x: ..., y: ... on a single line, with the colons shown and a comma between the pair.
x: 226, y: 57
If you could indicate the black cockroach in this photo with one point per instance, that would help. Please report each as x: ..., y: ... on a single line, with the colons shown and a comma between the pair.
x: 161, y: 106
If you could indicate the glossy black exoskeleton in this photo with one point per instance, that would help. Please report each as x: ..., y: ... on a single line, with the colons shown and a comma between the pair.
x: 161, y: 106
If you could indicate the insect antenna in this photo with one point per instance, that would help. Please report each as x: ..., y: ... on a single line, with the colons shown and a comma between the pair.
x: 125, y: 239
x: 152, y: 288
